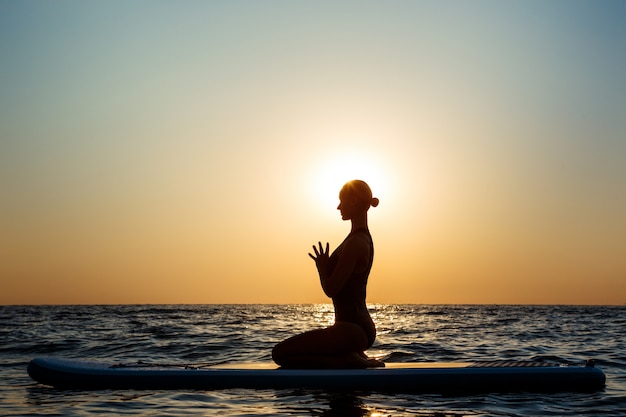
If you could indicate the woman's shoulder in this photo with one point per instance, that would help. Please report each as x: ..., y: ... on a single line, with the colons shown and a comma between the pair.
x: 362, y: 234
x: 359, y: 239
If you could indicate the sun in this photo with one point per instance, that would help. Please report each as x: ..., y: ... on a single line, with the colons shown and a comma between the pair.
x: 334, y: 170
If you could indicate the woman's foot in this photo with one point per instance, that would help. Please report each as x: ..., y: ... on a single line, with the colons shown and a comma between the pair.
x: 375, y: 363
x: 370, y: 362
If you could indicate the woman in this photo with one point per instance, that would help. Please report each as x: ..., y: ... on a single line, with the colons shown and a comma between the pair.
x: 343, y: 276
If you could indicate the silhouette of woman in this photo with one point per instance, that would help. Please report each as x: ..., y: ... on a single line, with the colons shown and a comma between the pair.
x: 343, y: 276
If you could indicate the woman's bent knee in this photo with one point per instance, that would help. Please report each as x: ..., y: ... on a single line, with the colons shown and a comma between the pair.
x: 278, y: 354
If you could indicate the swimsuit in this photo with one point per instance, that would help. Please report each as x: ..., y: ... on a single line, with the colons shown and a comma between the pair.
x: 350, y: 301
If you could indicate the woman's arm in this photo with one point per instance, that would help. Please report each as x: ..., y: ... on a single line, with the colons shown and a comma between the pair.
x: 354, y: 249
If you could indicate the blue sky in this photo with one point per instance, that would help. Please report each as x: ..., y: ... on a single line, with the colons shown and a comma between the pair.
x: 494, y: 132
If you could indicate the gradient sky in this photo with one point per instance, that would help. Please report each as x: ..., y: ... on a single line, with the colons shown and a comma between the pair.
x: 192, y: 152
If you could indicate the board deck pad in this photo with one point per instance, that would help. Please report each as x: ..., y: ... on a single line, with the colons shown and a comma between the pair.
x: 437, y: 377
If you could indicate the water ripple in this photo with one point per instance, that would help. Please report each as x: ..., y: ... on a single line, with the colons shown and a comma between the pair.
x: 236, y: 333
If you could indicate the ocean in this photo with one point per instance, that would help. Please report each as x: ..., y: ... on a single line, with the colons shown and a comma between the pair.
x: 194, y: 334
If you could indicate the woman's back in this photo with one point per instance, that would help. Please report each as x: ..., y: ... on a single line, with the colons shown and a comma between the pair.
x: 350, y: 303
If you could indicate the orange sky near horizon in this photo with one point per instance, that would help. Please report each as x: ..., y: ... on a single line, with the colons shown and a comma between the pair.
x: 193, y: 153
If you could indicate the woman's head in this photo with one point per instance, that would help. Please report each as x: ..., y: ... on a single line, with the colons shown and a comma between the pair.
x: 360, y: 193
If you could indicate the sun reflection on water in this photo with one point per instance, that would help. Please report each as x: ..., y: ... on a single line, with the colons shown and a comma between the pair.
x: 323, y: 314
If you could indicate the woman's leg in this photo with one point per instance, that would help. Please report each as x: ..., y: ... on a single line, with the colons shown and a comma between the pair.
x: 339, y: 346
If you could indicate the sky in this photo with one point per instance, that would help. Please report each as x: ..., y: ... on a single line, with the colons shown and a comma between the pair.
x: 192, y: 152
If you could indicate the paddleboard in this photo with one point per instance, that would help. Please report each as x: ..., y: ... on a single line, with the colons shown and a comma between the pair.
x: 458, y: 377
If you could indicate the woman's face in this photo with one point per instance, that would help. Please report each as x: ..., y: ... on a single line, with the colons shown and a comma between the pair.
x: 347, y: 206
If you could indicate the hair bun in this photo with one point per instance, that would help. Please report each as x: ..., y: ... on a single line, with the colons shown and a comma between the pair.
x: 374, y: 202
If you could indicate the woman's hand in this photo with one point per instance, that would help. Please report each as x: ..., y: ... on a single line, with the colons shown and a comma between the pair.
x: 321, y: 257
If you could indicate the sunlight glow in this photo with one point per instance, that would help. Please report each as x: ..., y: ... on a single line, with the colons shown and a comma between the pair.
x: 334, y: 170
x: 195, y: 154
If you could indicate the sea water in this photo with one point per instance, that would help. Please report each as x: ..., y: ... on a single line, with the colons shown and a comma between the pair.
x: 198, y: 334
